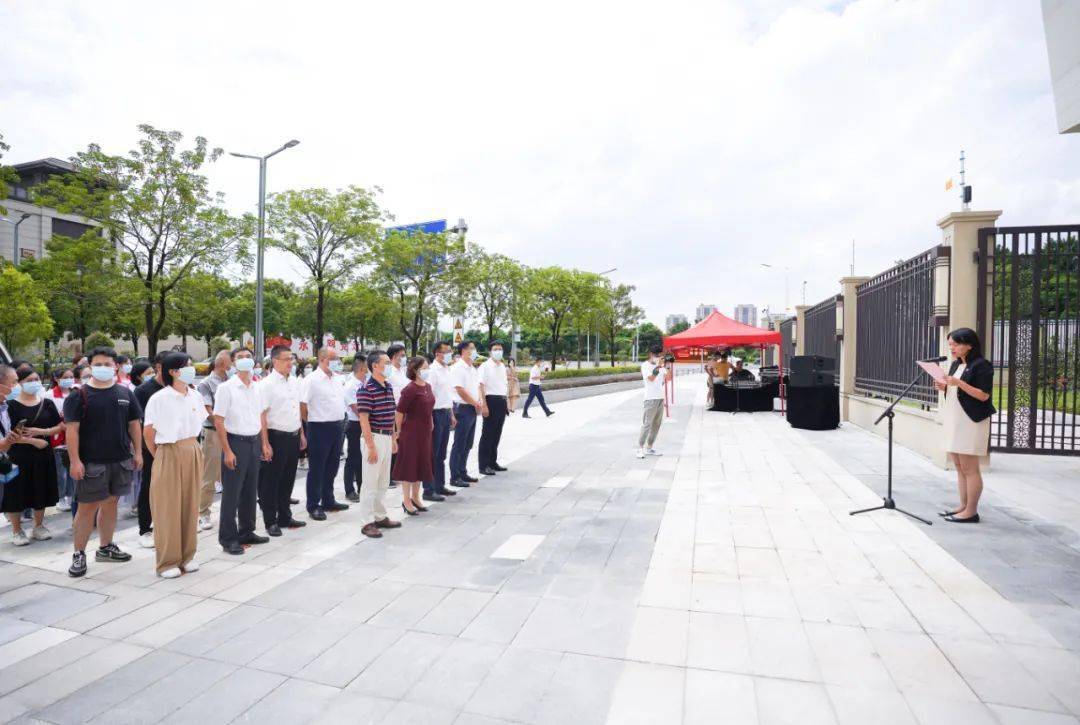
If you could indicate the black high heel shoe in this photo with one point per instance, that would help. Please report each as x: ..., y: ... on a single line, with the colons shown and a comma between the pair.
x: 410, y: 513
x: 419, y: 507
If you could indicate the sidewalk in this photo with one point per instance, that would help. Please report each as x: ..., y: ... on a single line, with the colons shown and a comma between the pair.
x: 722, y: 582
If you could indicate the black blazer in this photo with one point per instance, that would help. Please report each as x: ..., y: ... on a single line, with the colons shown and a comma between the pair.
x: 980, y: 374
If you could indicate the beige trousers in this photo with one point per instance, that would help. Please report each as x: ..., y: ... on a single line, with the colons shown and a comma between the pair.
x: 376, y: 478
x: 211, y: 472
x: 174, y: 502
x: 650, y: 423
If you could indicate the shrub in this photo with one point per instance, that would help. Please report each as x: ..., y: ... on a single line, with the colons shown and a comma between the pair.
x: 562, y: 373
x: 217, y: 345
x: 98, y: 339
x: 202, y: 368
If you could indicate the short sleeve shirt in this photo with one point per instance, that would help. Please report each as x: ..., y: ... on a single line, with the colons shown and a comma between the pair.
x: 240, y: 406
x: 464, y: 375
x: 322, y: 395
x: 103, y: 416
x: 493, y: 376
x: 439, y: 380
x: 175, y: 416
x: 280, y: 398
x: 349, y: 390
x: 377, y: 400
x: 654, y: 390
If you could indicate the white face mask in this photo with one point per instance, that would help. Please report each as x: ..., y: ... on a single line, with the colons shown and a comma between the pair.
x: 187, y: 374
x: 245, y: 364
x: 496, y: 354
x: 335, y: 366
x: 447, y: 358
x: 425, y: 374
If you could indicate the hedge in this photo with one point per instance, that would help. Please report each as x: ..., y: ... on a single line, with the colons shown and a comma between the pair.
x: 561, y: 373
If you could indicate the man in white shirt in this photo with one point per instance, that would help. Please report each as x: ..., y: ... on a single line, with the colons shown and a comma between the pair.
x: 238, y: 420
x: 354, y: 476
x: 536, y: 391
x: 442, y: 418
x: 282, y: 440
x: 654, y: 372
x: 211, y: 451
x: 493, y: 389
x: 323, y: 408
x: 468, y: 405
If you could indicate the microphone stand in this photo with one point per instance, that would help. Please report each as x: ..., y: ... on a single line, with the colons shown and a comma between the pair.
x: 888, y: 502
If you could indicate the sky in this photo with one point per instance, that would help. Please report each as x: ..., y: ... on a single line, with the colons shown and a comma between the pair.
x: 684, y: 143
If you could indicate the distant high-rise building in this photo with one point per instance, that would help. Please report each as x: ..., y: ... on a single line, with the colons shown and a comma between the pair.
x: 703, y: 311
x: 673, y: 320
x: 746, y: 314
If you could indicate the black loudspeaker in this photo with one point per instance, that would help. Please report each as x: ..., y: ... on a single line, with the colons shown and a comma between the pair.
x: 811, y: 363
x: 812, y: 379
x: 814, y: 408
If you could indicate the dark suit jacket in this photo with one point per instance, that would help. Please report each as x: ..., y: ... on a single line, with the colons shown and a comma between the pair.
x: 980, y: 374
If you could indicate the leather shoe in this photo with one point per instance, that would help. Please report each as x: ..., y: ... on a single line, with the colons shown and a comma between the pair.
x: 388, y: 524
x: 233, y: 548
x: 254, y: 539
x: 294, y: 501
x: 433, y: 497
x: 488, y: 471
x: 497, y: 467
x: 469, y: 478
x: 335, y: 507
x: 273, y: 530
x: 294, y: 524
x: 446, y: 492
x: 371, y: 530
x: 318, y: 515
x: 459, y: 483
x: 354, y: 497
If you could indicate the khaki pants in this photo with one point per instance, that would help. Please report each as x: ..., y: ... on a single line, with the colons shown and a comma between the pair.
x: 174, y: 502
x: 211, y: 472
x: 650, y: 423
x: 376, y: 478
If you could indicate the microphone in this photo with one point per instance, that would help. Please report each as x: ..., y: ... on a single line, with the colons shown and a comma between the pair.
x: 935, y: 359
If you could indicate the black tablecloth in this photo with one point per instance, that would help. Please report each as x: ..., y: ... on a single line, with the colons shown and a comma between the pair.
x: 758, y: 398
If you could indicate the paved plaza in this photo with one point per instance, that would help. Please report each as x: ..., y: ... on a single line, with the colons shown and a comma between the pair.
x: 723, y: 582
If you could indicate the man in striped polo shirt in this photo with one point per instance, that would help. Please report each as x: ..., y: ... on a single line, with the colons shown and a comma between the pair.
x: 375, y: 407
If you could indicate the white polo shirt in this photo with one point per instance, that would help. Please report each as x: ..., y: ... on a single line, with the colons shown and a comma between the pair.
x: 493, y: 376
x: 240, y: 406
x: 175, y: 416
x: 464, y: 375
x: 349, y: 396
x: 536, y: 375
x: 398, y: 380
x: 322, y: 395
x: 281, y: 401
x: 653, y: 390
x: 439, y: 380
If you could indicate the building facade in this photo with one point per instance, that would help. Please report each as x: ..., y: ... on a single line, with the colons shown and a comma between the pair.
x: 746, y: 314
x: 1061, y: 20
x: 674, y: 319
x: 36, y: 224
x: 703, y: 311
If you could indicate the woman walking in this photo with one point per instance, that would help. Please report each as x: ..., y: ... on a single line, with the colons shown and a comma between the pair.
x: 37, y: 420
x: 966, y: 419
x: 414, y: 423
x: 174, y: 418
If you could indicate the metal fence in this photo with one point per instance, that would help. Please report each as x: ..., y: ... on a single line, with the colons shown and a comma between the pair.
x: 819, y: 337
x: 895, y: 327
x: 787, y: 336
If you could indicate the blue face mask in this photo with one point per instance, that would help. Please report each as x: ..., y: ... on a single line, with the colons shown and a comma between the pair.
x: 67, y: 383
x: 14, y: 392
x: 447, y: 358
x: 230, y: 372
x: 245, y: 364
x: 335, y: 366
x: 126, y: 368
x: 187, y: 374
x: 104, y: 373
x: 294, y: 371
x: 32, y: 387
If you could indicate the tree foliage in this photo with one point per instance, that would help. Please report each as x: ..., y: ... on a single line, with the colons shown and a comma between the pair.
x: 492, y: 284
x: 617, y: 313
x: 24, y: 316
x: 7, y: 176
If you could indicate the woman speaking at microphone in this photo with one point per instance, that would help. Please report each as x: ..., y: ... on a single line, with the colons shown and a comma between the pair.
x: 966, y: 419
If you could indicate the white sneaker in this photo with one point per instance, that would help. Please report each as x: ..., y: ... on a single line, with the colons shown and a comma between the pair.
x: 146, y: 541
x: 40, y: 533
x: 641, y: 453
x: 205, y: 524
x: 63, y: 505
x: 217, y: 487
x: 653, y: 452
x: 191, y: 566
x: 170, y: 573
x: 18, y: 538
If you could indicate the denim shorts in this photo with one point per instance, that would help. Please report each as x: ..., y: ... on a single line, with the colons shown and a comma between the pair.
x: 103, y: 480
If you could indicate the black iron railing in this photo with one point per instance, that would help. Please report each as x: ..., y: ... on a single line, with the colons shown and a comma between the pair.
x: 787, y: 335
x: 896, y: 326
x: 820, y: 333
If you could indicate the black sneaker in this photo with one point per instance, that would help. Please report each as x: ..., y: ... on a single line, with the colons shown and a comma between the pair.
x: 111, y: 552
x: 78, y: 564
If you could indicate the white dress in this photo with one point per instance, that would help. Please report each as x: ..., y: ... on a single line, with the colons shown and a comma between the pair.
x: 962, y: 434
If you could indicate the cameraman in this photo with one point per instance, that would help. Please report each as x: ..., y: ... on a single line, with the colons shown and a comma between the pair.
x: 654, y: 372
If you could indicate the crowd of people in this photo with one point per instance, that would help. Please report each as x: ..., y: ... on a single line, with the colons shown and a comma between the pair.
x: 147, y: 433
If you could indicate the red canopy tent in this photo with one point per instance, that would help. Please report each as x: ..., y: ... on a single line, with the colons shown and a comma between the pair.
x: 719, y: 331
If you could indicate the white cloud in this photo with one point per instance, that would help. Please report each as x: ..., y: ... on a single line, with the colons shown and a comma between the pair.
x: 684, y: 143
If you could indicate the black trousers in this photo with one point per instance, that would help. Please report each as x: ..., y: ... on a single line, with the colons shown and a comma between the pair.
x: 440, y: 437
x: 353, y: 458
x: 277, y: 476
x: 535, y: 393
x: 239, y: 487
x: 491, y: 434
x: 146, y: 522
x: 324, y: 457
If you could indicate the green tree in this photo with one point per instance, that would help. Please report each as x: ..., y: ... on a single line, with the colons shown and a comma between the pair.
x: 198, y: 307
x: 24, y: 316
x: 327, y: 231
x: 419, y: 269
x: 552, y: 296
x: 494, y: 283
x: 157, y: 205
x: 678, y: 327
x: 98, y: 339
x: 7, y: 176
x: 649, y: 335
x: 617, y: 313
x: 240, y: 308
x: 367, y: 314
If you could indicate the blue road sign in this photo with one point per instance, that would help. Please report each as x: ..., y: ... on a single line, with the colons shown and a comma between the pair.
x: 432, y: 227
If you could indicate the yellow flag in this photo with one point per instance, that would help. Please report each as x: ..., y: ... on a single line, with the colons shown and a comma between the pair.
x: 948, y: 185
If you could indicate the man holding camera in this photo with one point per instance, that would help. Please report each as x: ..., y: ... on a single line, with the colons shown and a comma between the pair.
x: 654, y: 372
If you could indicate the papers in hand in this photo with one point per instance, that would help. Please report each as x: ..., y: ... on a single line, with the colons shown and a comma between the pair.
x: 933, y: 370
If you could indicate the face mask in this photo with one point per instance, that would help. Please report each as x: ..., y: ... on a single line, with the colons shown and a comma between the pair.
x: 15, y: 390
x: 67, y: 383
x: 294, y: 371
x: 245, y: 364
x: 496, y: 354
x: 425, y: 374
x: 104, y: 373
x: 447, y: 358
x: 258, y: 370
x: 399, y: 362
x: 335, y: 366
x: 230, y: 372
x: 127, y: 369
x: 32, y: 388
x: 85, y: 380
x: 187, y: 374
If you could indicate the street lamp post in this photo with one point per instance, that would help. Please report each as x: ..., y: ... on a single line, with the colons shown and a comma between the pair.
x: 602, y: 274
x: 260, y: 341
x: 15, y: 253
x: 786, y: 272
